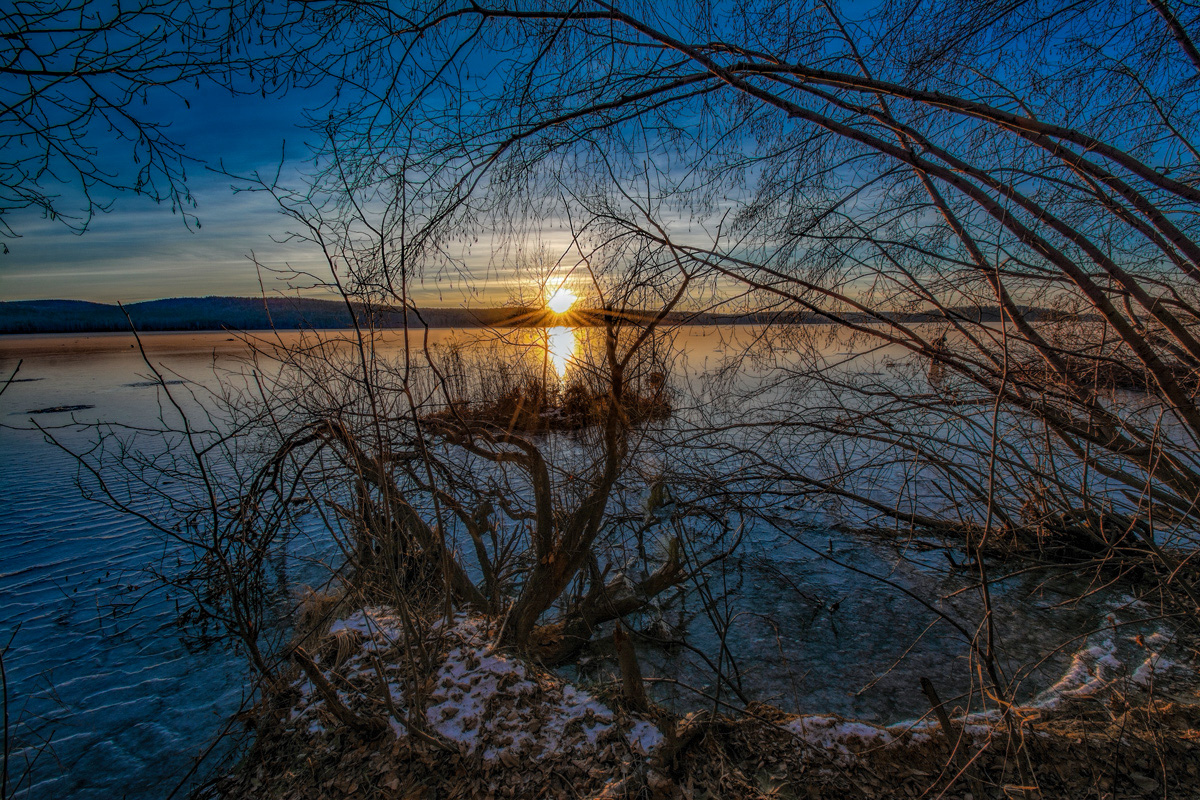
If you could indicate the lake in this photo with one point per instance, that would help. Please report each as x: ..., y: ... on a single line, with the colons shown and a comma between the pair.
x: 107, y: 701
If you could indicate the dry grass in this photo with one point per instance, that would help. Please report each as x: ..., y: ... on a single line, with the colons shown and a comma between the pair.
x: 533, y: 407
x: 1115, y: 745
x: 1149, y: 751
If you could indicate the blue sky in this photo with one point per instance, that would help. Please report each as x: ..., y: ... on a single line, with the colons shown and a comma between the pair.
x: 140, y: 250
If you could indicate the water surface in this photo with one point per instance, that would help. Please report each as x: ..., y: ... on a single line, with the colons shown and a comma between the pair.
x: 111, y: 704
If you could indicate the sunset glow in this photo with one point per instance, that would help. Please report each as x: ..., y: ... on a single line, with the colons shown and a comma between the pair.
x: 562, y: 300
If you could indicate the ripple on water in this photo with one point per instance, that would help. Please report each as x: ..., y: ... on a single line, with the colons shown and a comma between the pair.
x: 127, y: 707
x: 124, y: 705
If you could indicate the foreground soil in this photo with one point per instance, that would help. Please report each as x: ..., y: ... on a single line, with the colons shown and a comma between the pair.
x: 491, y: 725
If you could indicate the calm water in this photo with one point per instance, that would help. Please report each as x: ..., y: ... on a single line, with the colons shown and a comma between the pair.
x: 111, y: 704
x: 96, y: 667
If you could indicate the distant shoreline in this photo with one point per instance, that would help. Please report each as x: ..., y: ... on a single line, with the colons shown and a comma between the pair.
x: 200, y: 314
x: 196, y: 314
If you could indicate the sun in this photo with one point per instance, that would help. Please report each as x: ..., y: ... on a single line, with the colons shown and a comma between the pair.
x: 561, y: 301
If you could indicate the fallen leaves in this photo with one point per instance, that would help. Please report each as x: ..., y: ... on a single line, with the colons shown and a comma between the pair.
x: 497, y: 727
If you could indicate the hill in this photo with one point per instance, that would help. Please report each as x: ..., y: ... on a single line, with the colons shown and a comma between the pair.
x: 291, y: 313
x: 221, y: 313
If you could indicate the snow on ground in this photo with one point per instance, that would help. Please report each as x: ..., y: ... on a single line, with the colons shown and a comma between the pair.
x: 1092, y: 668
x: 644, y: 737
x: 977, y: 725
x: 482, y: 698
x: 1149, y: 669
x: 829, y: 740
x: 835, y: 735
x: 490, y: 703
x: 1099, y: 664
x: 1103, y: 660
x: 479, y: 697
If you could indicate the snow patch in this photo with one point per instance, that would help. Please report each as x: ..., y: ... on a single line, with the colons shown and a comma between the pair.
x: 1098, y: 665
x: 1092, y: 669
x: 481, y: 699
x: 644, y: 737
x: 1153, y: 667
x: 1157, y: 640
x: 379, y: 628
x: 835, y: 735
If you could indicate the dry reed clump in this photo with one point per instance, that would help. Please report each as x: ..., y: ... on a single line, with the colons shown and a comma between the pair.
x: 534, y: 407
x: 315, y: 612
x: 488, y: 385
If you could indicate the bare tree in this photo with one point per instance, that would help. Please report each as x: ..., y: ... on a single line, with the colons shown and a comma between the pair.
x: 999, y: 202
x: 1025, y: 179
x: 420, y: 462
x: 997, y: 205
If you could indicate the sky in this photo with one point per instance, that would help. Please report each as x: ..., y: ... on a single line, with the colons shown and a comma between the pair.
x: 141, y: 251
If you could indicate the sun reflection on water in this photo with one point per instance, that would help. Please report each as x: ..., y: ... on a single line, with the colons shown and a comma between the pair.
x: 560, y: 346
